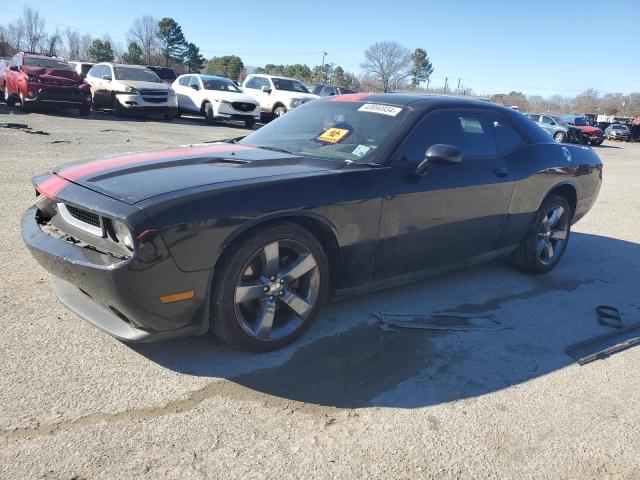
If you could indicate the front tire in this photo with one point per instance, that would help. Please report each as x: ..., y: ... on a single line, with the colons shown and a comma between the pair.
x: 269, y: 287
x: 279, y: 111
x: 560, y: 137
x: 546, y: 242
x: 596, y: 143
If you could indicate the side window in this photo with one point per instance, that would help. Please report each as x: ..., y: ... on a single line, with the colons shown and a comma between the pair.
x: 535, y: 118
x: 263, y: 82
x: 251, y: 83
x: 326, y: 91
x: 316, y: 90
x: 466, y: 131
x: 506, y: 137
x: 95, y: 71
x: 184, y: 81
x: 194, y: 81
x: 547, y: 120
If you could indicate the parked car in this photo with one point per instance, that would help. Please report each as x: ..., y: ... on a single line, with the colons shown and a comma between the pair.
x: 617, y: 132
x: 250, y: 237
x: 166, y: 74
x: 277, y: 95
x: 216, y: 98
x: 594, y: 134
x: 329, y: 90
x: 131, y: 88
x: 81, y: 68
x: 34, y: 79
x: 4, y: 64
x: 558, y: 128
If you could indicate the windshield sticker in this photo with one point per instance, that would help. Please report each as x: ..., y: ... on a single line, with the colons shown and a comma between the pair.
x: 333, y: 135
x: 383, y: 109
x: 361, y: 150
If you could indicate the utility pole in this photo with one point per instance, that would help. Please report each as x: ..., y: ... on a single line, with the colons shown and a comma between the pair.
x: 324, y: 80
x: 458, y: 89
x: 446, y: 81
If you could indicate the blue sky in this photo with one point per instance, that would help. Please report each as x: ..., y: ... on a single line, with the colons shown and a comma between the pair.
x: 539, y: 47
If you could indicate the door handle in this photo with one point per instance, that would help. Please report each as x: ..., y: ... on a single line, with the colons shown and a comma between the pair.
x: 501, y: 172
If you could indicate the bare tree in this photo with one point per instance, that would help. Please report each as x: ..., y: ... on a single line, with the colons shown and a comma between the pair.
x: 85, y: 44
x: 72, y: 39
x: 33, y: 24
x: 387, y: 63
x: 13, y: 34
x: 587, y: 102
x: 144, y: 32
x: 52, y: 43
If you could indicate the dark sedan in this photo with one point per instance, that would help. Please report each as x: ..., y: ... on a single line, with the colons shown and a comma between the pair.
x: 250, y: 237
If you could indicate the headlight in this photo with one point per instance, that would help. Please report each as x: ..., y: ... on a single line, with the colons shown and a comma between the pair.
x: 128, y: 89
x: 294, y: 102
x: 172, y: 93
x: 222, y: 101
x: 122, y: 234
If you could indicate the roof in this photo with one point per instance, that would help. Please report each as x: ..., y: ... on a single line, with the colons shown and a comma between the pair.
x: 404, y: 99
x: 123, y: 65
x: 272, y: 76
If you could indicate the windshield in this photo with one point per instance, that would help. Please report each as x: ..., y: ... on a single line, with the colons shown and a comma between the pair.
x: 219, y: 84
x: 336, y: 130
x: 136, y: 74
x: 620, y: 127
x: 47, y: 62
x: 561, y: 121
x: 289, y: 85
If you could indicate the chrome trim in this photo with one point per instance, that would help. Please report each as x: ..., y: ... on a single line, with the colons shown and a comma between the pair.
x: 74, y: 222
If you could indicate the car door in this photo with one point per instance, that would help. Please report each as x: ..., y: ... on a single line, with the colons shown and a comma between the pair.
x: 183, y: 92
x: 11, y: 76
x: 196, y: 93
x: 548, y: 124
x: 265, y: 98
x: 101, y: 97
x: 452, y: 212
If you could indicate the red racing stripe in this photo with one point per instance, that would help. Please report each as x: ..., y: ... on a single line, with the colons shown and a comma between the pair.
x: 350, y: 97
x: 51, y: 186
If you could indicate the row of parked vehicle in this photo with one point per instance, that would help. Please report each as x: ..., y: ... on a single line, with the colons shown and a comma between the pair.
x: 568, y: 128
x: 30, y: 79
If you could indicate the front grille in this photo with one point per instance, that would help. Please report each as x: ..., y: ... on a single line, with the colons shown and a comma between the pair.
x: 155, y: 99
x: 147, y: 91
x: 243, y: 106
x: 84, y: 216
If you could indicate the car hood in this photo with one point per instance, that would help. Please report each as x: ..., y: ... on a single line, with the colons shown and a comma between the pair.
x: 53, y: 75
x: 135, y: 177
x: 287, y: 94
x: 589, y: 130
x: 230, y: 96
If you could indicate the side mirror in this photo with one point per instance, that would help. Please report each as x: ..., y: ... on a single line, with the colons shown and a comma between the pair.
x: 195, y: 87
x: 553, y: 123
x: 14, y: 68
x: 438, y: 154
x: 265, y: 89
x: 106, y: 77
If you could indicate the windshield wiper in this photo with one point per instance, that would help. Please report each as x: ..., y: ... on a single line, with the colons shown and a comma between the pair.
x: 276, y: 149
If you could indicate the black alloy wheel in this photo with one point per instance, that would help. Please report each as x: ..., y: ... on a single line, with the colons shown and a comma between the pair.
x: 269, y: 287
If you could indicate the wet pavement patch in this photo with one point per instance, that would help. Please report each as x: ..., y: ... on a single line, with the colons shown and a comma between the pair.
x: 348, y: 370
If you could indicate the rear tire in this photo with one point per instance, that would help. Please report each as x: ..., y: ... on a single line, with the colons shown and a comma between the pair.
x: 546, y: 242
x: 269, y: 287
x: 560, y: 137
x: 208, y: 114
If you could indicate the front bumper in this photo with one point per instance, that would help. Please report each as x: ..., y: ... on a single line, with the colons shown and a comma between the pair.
x: 614, y: 136
x: 137, y: 103
x: 62, y: 97
x: 227, y: 112
x: 121, y: 297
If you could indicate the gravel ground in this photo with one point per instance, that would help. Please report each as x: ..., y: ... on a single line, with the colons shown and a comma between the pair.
x: 348, y: 400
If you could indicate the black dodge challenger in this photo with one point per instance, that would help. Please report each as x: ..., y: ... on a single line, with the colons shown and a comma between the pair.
x: 249, y: 237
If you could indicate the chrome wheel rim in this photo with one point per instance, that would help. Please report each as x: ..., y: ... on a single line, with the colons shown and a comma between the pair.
x: 276, y: 290
x: 558, y: 137
x: 552, y: 235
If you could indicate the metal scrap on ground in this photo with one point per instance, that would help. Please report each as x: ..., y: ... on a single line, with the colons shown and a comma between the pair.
x: 458, y: 322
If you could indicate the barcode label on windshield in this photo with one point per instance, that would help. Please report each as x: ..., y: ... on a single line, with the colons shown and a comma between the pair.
x: 383, y: 109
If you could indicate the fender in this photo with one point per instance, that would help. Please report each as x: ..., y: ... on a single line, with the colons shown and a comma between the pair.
x: 279, y: 215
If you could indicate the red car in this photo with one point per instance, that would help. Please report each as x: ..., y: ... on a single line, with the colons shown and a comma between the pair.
x: 34, y: 79
x: 592, y: 135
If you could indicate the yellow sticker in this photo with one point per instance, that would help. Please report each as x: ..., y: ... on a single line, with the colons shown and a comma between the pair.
x: 333, y: 135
